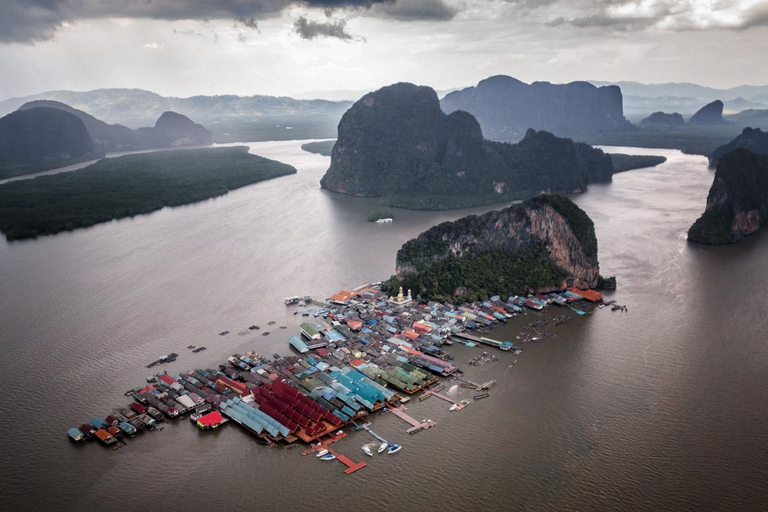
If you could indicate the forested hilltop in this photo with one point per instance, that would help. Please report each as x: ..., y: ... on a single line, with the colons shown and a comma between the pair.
x: 545, y: 243
x: 114, y: 188
x: 41, y: 139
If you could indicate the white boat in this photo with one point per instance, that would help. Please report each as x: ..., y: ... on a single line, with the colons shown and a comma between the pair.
x: 382, y: 447
x: 394, y: 448
x: 339, y: 432
x: 454, y: 407
x: 321, y: 453
x: 367, y: 451
x: 328, y: 456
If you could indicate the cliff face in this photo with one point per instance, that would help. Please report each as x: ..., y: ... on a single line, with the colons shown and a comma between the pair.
x: 752, y: 139
x: 711, y: 113
x: 398, y: 140
x: 170, y: 130
x: 42, y: 138
x: 662, y: 119
x: 737, y: 204
x: 543, y: 244
x: 506, y: 107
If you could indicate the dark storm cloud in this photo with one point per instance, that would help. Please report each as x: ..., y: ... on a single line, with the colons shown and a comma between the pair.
x: 27, y: 21
x: 413, y: 10
x: 308, y: 29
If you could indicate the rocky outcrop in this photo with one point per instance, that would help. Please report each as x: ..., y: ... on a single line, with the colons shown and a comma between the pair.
x: 543, y: 244
x: 40, y: 139
x: 174, y: 130
x: 663, y: 120
x: 709, y: 114
x: 398, y: 140
x: 170, y: 130
x: 753, y: 139
x: 506, y: 107
x: 737, y: 204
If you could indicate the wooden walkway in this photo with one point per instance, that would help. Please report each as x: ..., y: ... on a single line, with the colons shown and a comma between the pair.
x: 352, y: 466
x: 459, y: 405
x: 416, y: 425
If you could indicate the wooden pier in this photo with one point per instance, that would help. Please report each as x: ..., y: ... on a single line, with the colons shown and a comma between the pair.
x: 416, y: 425
x: 352, y: 466
x: 459, y: 405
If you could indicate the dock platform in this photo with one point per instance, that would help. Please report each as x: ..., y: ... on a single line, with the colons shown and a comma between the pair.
x: 416, y: 425
x: 352, y: 466
x: 459, y: 405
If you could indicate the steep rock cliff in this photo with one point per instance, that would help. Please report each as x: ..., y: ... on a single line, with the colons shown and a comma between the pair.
x: 506, y: 107
x: 543, y: 244
x: 737, y: 204
x: 398, y: 140
x: 753, y: 139
x: 711, y: 113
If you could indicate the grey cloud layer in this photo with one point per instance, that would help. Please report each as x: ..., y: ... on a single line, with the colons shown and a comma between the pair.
x: 28, y: 21
x: 674, y: 15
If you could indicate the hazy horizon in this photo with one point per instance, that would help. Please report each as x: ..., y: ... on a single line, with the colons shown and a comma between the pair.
x: 287, y: 48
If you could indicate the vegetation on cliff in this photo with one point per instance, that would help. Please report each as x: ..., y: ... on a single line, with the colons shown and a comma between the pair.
x: 321, y: 147
x: 622, y: 162
x: 737, y: 203
x: 463, y: 279
x: 397, y: 143
x: 543, y: 243
x: 126, y: 186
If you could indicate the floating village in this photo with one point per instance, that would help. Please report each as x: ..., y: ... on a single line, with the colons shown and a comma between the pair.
x: 358, y: 353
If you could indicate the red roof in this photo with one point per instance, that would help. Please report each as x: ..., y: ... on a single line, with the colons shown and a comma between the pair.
x: 355, y: 325
x: 167, y: 379
x: 211, y: 419
x: 321, y: 352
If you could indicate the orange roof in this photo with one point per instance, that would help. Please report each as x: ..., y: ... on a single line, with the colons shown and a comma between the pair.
x: 590, y: 295
x: 342, y: 296
x: 410, y: 334
x: 356, y: 362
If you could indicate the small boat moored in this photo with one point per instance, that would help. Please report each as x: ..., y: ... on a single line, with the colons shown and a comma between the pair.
x: 321, y: 453
x: 328, y: 456
x: 367, y: 451
x: 395, y: 448
x: 382, y: 447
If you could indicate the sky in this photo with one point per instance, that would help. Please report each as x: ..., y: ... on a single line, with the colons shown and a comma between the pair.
x: 287, y: 47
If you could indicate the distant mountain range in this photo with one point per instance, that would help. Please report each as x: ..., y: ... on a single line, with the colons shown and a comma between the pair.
x: 137, y: 107
x: 170, y: 130
x: 507, y: 108
x: 43, y: 135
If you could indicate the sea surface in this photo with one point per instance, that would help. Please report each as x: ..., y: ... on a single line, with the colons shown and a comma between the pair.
x: 663, y: 407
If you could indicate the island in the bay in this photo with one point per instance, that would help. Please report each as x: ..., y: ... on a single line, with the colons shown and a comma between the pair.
x: 125, y: 186
x: 543, y: 244
x: 398, y: 144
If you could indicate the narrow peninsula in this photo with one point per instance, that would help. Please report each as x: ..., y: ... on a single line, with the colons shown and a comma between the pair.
x: 114, y: 188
